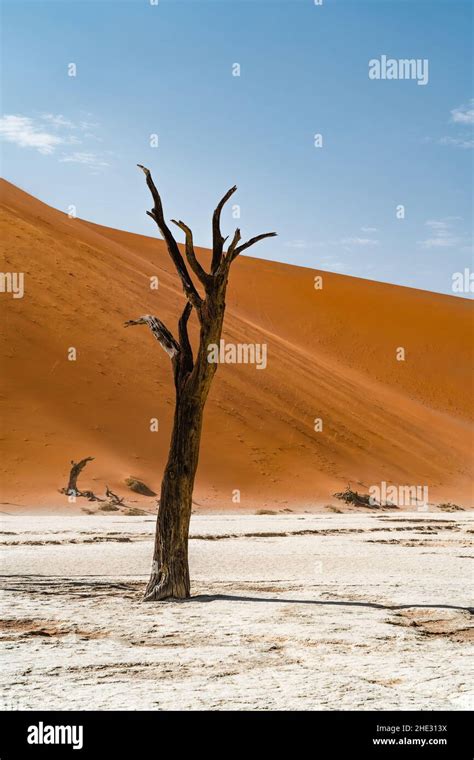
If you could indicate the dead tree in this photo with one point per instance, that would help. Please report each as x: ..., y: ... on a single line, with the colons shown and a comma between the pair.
x: 76, y: 469
x: 71, y: 488
x: 192, y: 378
x: 115, y: 500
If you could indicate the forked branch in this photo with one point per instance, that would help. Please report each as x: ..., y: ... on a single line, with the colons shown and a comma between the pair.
x: 158, y: 216
x: 235, y: 241
x: 190, y: 254
x: 217, y: 239
x: 234, y: 249
x: 250, y: 242
x: 116, y: 501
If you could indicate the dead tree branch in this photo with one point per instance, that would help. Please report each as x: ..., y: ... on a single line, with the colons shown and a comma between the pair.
x: 76, y: 469
x: 113, y: 498
x: 158, y: 216
x: 184, y: 342
x: 190, y: 254
x: 237, y: 250
x: 160, y: 331
x: 217, y: 239
x: 71, y: 488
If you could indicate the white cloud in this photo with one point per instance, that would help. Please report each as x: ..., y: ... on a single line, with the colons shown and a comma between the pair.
x: 58, y: 120
x: 347, y: 243
x: 457, y: 142
x: 436, y: 225
x: 441, y: 234
x: 463, y: 114
x: 47, y: 132
x: 22, y: 131
x: 297, y: 244
x: 78, y: 157
x: 86, y: 126
x: 332, y: 262
x: 358, y: 241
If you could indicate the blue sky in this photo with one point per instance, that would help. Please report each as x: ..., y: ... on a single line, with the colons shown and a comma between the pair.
x: 167, y: 69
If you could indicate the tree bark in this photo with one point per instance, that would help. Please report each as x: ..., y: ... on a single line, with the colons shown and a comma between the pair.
x: 170, y: 570
x: 76, y: 469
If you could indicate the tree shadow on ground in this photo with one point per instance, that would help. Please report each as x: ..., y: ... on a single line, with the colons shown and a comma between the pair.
x: 323, y: 602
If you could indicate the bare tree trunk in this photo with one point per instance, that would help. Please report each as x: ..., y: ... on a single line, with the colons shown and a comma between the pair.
x: 170, y: 571
x: 76, y: 469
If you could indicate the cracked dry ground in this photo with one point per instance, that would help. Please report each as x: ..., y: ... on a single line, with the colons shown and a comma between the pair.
x: 288, y: 611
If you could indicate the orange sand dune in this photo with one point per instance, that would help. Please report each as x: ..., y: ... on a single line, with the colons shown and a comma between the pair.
x: 331, y: 355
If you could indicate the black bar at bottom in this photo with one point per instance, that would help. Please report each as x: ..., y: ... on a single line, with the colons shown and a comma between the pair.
x: 375, y: 734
